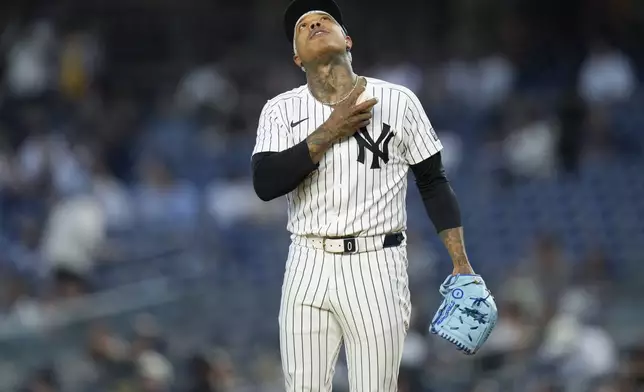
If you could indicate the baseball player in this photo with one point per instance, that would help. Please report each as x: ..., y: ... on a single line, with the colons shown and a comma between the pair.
x: 339, y: 148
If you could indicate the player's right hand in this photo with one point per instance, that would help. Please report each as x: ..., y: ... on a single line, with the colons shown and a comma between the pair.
x: 347, y: 116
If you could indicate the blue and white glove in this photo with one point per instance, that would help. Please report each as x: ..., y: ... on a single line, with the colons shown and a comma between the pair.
x: 467, y: 314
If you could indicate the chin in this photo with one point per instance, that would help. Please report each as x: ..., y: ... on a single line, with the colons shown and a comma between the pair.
x: 324, y: 50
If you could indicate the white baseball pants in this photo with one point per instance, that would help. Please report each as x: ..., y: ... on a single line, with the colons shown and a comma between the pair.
x: 360, y: 299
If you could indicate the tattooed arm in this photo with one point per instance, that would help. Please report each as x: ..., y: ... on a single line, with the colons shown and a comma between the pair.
x: 443, y: 209
x: 320, y: 141
x: 277, y: 173
x: 455, y: 244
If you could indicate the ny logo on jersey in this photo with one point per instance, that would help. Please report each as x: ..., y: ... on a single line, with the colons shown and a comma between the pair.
x: 365, y: 142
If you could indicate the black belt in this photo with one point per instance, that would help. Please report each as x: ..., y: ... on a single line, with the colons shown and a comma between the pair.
x: 392, y: 240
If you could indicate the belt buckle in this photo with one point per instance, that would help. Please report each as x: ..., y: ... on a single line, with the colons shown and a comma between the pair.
x: 350, y: 246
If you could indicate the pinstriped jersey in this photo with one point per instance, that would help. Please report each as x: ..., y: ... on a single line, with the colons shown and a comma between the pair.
x: 360, y: 186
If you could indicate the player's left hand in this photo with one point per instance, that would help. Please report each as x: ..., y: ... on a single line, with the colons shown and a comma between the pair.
x: 467, y: 314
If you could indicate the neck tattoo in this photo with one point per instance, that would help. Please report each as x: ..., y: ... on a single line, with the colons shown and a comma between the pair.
x: 329, y: 83
x: 333, y: 103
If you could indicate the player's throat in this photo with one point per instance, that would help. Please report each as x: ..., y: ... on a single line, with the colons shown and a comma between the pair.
x: 331, y: 82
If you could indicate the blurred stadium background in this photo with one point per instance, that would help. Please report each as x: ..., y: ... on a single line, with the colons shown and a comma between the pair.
x: 136, y: 257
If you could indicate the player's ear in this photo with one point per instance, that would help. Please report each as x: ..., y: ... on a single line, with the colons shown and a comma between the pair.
x: 297, y: 61
x: 349, y: 43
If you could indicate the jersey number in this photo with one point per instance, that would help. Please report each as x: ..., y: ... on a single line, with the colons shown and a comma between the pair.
x: 365, y: 142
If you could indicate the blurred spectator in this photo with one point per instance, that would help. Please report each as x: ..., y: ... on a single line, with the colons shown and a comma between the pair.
x: 423, y: 259
x: 201, y: 375
x: 497, y: 76
x: 45, y: 156
x: 529, y: 149
x: 414, y: 358
x: 30, y: 61
x: 26, y: 253
x: 18, y: 301
x: 584, y: 353
x: 171, y: 131
x: 596, y: 274
x: 108, y: 355
x: 163, y: 199
x: 268, y: 373
x: 73, y: 236
x: 537, y: 282
x: 606, y: 75
x: 155, y: 372
x: 513, y: 335
x: 80, y: 62
x: 480, y: 82
x: 206, y: 86
x: 550, y: 268
x: 394, y: 69
x: 234, y: 201
x: 113, y: 196
x: 452, y: 154
x: 215, y: 373
x: 227, y: 378
x: 148, y: 335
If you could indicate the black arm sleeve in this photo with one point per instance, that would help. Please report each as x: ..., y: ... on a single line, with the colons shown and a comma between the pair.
x: 438, y: 196
x: 277, y: 173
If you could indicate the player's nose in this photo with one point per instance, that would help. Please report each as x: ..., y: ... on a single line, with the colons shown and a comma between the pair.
x: 315, y: 25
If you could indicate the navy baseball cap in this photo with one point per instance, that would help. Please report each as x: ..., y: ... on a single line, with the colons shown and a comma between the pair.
x: 297, y: 8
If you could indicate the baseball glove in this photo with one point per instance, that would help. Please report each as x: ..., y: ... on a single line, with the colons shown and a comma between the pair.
x: 467, y: 314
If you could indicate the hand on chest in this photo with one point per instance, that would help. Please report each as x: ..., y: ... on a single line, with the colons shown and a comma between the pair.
x: 373, y: 146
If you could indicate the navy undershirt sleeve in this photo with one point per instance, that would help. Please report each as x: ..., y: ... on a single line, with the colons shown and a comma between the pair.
x: 277, y: 173
x: 437, y: 193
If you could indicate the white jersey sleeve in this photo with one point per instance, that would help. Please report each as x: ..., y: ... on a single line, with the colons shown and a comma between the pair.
x: 421, y: 141
x: 272, y: 133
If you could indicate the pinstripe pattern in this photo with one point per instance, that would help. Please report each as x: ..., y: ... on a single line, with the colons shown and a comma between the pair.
x: 361, y: 299
x: 344, y: 197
